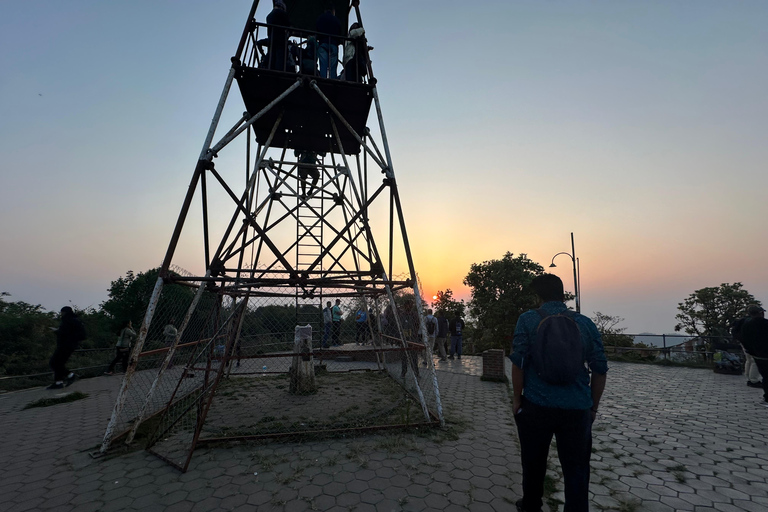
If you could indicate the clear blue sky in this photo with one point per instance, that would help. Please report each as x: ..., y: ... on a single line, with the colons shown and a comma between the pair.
x: 640, y: 126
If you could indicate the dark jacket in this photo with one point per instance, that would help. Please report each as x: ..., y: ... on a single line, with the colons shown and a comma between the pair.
x: 457, y: 326
x: 754, y: 337
x: 278, y: 38
x: 327, y: 23
x: 442, y: 327
x: 71, y: 331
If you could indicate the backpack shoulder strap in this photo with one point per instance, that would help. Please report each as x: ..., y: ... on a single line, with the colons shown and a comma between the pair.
x: 543, y: 314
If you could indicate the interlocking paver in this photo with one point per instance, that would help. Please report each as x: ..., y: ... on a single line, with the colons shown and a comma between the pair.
x: 666, y: 439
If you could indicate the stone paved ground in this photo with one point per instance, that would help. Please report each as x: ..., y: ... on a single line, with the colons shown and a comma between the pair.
x: 666, y: 439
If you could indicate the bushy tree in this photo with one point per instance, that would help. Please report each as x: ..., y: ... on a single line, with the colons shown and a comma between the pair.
x: 129, y: 297
x: 612, y: 334
x: 500, y: 294
x: 711, y: 311
x: 26, y: 338
x: 445, y: 303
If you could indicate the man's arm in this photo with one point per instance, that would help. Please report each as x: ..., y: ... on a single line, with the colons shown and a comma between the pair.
x: 518, y: 380
x: 597, y: 385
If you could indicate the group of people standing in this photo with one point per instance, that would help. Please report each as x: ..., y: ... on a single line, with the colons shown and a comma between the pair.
x: 438, y: 328
x: 322, y: 48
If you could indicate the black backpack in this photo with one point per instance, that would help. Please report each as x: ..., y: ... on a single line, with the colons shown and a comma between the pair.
x: 431, y: 327
x: 557, y: 354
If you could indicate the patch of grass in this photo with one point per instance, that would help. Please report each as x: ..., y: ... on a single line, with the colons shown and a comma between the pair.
x: 678, y: 472
x: 550, y: 488
x: 47, y: 402
x: 628, y: 505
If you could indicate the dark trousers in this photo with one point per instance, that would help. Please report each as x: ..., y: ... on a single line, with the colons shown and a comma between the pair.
x: 121, y: 355
x: 572, y: 429
x: 762, y: 367
x: 326, y: 334
x: 336, y: 333
x: 58, y: 362
x: 360, y: 336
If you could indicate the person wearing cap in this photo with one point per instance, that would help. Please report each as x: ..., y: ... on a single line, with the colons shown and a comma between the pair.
x: 754, y: 338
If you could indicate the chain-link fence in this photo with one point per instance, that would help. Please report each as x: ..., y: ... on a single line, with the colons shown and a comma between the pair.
x: 242, y: 370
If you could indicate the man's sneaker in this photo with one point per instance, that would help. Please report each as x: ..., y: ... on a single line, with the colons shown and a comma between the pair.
x: 109, y: 373
x: 450, y: 357
x: 458, y: 357
x: 71, y: 379
x: 755, y: 384
x: 56, y: 385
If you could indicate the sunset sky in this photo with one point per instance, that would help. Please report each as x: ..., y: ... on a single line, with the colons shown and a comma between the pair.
x: 642, y: 127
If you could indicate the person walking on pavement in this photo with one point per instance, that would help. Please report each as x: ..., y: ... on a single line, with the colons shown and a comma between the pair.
x: 442, y: 334
x: 456, y: 326
x: 754, y: 338
x: 69, y: 334
x: 431, y: 324
x: 336, y: 317
x: 553, y: 393
x: 123, y: 348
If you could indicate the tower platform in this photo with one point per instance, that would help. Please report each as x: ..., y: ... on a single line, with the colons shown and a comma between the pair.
x: 306, y: 123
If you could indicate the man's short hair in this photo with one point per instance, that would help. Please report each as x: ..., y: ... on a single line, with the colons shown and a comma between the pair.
x: 754, y: 310
x: 548, y: 287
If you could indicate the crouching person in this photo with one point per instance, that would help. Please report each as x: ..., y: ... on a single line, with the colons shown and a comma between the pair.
x: 553, y: 351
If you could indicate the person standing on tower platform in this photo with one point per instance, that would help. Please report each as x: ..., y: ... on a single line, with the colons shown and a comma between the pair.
x: 355, y: 60
x: 328, y: 26
x: 278, y: 36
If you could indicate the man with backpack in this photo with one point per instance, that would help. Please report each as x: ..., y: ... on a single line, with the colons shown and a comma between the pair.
x: 431, y: 324
x: 553, y: 394
x: 456, y: 326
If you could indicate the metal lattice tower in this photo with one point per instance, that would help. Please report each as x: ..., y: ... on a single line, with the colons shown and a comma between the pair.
x: 306, y: 226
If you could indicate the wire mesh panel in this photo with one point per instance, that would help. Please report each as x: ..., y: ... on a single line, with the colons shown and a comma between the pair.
x: 362, y: 373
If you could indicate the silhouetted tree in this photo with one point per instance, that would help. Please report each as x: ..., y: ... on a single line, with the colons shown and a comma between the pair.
x: 500, y: 294
x: 710, y: 311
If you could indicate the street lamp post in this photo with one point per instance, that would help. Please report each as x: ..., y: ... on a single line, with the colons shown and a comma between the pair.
x: 572, y: 255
